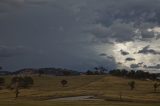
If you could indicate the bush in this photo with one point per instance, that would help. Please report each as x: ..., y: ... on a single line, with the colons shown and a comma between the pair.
x: 2, y: 81
x: 18, y: 83
x: 24, y: 82
x: 29, y: 80
x: 64, y: 82
x: 89, y: 72
x: 156, y: 85
x: 131, y: 84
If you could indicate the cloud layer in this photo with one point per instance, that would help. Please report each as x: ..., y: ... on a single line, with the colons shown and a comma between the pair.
x: 80, y: 34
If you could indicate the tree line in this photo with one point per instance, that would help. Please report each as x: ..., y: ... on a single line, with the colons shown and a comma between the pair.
x: 133, y: 74
x: 139, y: 74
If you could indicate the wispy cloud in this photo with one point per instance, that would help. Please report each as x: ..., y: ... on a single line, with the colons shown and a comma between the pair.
x: 147, y: 50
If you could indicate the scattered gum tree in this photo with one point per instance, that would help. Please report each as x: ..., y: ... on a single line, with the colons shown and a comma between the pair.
x: 131, y: 84
x: 40, y: 73
x: 2, y: 82
x: 64, y: 82
x: 156, y: 85
x: 18, y: 83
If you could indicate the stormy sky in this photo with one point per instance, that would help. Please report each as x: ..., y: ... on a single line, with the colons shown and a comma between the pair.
x: 80, y: 34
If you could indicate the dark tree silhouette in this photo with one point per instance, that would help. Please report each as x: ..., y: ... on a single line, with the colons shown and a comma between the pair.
x: 17, y: 87
x: 139, y: 74
x: 124, y: 72
x: 64, y: 82
x: 2, y: 82
x: 156, y: 85
x: 131, y: 74
x: 18, y: 83
x: 40, y: 72
x: 96, y: 72
x: 131, y: 84
x: 66, y: 73
x: 100, y: 70
x: 0, y: 68
x: 89, y: 72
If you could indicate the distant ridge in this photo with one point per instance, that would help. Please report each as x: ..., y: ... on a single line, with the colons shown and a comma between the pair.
x: 47, y: 71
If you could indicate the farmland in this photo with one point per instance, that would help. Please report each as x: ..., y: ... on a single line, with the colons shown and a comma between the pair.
x: 108, y: 90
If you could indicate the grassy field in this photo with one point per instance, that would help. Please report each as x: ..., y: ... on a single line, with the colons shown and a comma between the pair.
x: 107, y: 88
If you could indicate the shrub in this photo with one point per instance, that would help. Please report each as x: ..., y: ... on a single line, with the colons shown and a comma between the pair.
x: 64, y: 82
x: 156, y: 85
x: 131, y: 84
x: 2, y: 81
x: 20, y: 83
x: 23, y: 82
x: 27, y: 82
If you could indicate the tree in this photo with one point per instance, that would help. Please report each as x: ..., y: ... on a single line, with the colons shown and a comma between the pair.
x: 100, y: 70
x: 27, y: 82
x: 156, y: 85
x: 124, y: 72
x: 0, y: 68
x: 103, y: 70
x: 64, y: 82
x: 66, y: 73
x: 153, y: 76
x: 89, y: 72
x: 96, y: 73
x: 40, y: 72
x: 131, y: 84
x: 2, y: 82
x: 120, y: 95
x: 131, y: 74
x: 115, y: 72
x: 18, y: 83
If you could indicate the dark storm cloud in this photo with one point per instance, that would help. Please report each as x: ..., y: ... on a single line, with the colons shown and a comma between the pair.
x: 8, y: 6
x: 119, y: 32
x: 119, y: 20
x: 111, y: 57
x: 119, y: 63
x: 147, y: 50
x: 3, y: 8
x: 136, y: 65
x: 12, y: 2
x: 153, y: 67
x: 137, y: 11
x: 52, y: 30
x: 64, y: 30
x: 23, y: 2
x: 107, y: 56
x: 124, y: 53
x: 141, y: 63
x: 130, y: 59
x: 103, y: 54
x: 37, y: 2
x: 6, y: 51
x: 147, y: 34
x: 110, y: 62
